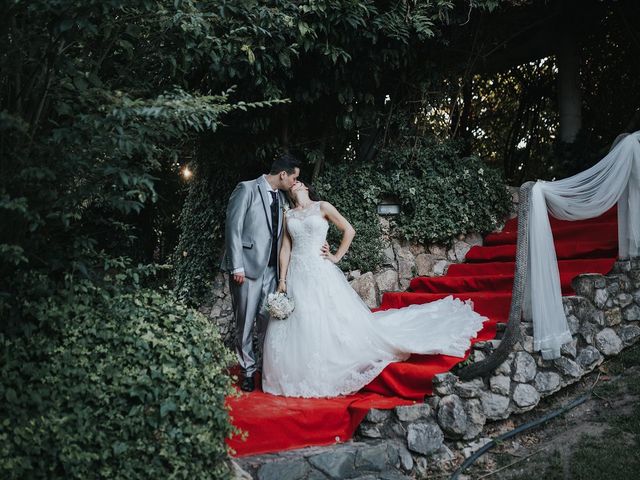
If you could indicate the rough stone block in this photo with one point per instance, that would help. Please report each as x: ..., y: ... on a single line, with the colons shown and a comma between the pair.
x: 443, y: 455
x: 443, y: 383
x: 570, y: 349
x: 335, y: 464
x: 500, y: 384
x: 623, y: 300
x: 424, y: 437
x: 403, y: 456
x: 629, y: 333
x: 527, y: 343
x: 411, y: 413
x: 425, y: 264
x: 584, y: 285
x: 525, y: 396
x: 388, y: 257
x: 588, y: 331
x: 547, y: 382
x: 608, y: 342
x: 452, y: 416
x: 461, y: 249
x: 631, y: 313
x: 589, y: 357
x: 477, y: 418
x: 477, y: 356
x: 612, y: 317
x: 469, y: 389
x: 369, y: 431
x: 365, y: 287
x: 524, y: 367
x: 440, y: 267
x: 376, y: 415
x: 387, y: 281
x: 600, y: 297
x: 495, y: 406
x: 568, y: 367
x: 505, y: 367
x: 372, y: 458
x: 292, y: 469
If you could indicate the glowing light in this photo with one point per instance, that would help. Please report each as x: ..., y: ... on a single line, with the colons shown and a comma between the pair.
x: 186, y: 173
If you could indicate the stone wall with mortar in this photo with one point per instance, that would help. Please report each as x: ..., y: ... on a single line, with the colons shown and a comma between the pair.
x: 425, y: 438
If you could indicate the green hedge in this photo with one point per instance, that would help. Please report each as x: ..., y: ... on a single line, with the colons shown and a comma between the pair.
x: 441, y: 194
x: 113, y: 385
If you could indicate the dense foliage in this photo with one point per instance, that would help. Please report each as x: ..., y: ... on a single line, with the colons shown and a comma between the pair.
x: 110, y: 384
x: 441, y: 196
x: 100, y: 100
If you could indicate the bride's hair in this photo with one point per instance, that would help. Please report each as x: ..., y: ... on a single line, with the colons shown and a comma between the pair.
x: 313, y: 195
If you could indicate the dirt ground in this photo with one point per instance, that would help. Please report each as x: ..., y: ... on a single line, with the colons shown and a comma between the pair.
x: 599, y: 439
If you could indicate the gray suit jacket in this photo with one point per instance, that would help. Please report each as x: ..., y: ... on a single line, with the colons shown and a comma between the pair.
x: 248, y: 228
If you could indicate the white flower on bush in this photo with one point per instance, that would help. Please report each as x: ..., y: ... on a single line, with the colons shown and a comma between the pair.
x: 279, y: 305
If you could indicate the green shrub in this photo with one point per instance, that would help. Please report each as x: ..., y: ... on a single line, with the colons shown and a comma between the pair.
x: 355, y: 192
x: 441, y: 196
x: 113, y: 385
x: 199, y: 249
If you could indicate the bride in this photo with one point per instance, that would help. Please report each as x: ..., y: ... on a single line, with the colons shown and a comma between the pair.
x: 332, y: 344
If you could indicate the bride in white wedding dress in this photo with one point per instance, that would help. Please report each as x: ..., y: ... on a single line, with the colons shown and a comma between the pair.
x: 332, y: 344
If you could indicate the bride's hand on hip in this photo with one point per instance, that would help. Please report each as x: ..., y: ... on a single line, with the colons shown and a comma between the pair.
x: 330, y: 256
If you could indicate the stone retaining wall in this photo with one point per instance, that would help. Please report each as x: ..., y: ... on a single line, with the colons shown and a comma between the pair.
x: 427, y: 437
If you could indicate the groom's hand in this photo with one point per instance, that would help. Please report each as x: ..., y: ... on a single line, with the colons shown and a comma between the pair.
x: 238, y: 278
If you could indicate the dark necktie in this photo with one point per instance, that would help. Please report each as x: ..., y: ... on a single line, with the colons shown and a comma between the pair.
x: 273, y: 258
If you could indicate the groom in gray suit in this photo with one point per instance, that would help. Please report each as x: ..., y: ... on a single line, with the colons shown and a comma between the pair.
x: 253, y: 236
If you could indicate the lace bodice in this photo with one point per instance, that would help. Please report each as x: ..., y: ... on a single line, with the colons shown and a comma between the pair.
x: 308, y: 230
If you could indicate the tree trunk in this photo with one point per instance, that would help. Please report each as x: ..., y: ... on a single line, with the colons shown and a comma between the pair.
x: 569, y: 95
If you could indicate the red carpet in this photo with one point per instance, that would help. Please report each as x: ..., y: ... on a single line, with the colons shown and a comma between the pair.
x: 277, y: 423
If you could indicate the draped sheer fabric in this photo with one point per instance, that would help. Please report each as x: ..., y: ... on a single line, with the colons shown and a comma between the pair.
x: 616, y: 178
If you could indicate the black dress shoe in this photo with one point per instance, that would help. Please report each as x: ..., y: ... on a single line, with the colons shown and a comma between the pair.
x: 247, y: 384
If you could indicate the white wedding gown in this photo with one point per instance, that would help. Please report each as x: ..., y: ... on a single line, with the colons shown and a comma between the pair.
x: 332, y: 344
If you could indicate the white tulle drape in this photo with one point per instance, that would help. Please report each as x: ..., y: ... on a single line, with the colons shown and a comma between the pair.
x: 616, y: 178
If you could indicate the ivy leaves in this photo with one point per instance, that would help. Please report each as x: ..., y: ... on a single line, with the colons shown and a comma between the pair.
x: 441, y: 196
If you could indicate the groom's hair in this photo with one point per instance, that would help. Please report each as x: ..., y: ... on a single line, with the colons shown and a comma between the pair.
x: 285, y: 163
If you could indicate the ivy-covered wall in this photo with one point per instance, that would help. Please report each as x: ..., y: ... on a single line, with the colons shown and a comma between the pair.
x: 441, y: 196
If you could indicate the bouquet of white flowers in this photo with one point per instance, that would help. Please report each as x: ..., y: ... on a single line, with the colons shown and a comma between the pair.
x: 279, y: 305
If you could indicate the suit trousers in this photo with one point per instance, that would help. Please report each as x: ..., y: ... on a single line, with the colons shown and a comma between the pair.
x: 249, y: 300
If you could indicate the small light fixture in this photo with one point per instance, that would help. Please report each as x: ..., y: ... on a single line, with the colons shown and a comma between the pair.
x: 187, y: 173
x: 389, y: 206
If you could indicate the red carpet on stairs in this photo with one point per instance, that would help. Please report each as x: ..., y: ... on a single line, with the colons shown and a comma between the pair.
x: 275, y: 423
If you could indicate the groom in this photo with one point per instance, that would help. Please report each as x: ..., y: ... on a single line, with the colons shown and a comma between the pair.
x: 253, y: 236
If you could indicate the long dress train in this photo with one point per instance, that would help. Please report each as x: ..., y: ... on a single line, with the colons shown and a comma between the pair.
x: 332, y: 344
